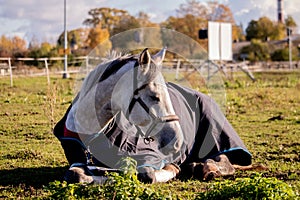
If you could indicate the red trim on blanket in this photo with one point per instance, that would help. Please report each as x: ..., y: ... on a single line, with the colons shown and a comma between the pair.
x: 68, y: 133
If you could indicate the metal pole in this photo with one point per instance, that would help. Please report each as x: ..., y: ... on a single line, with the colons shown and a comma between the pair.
x: 65, y: 73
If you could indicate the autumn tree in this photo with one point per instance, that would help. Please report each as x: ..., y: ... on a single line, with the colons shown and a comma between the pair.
x: 11, y: 47
x: 222, y: 13
x: 19, y: 45
x: 188, y: 25
x: 257, y: 51
x: 106, y: 22
x: 264, y: 29
x: 194, y: 15
x: 192, y: 7
x: 41, y: 51
x: 126, y: 23
x: 144, y: 20
x: 238, y: 33
x: 134, y: 38
x: 130, y: 22
x: 116, y: 20
x: 290, y: 23
x: 283, y: 54
x: 189, y: 19
x: 97, y: 35
x: 76, y: 37
x: 108, y: 18
x: 209, y: 11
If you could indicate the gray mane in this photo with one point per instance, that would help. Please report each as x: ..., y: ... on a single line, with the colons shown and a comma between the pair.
x: 95, y: 75
x: 115, y: 65
x: 111, y: 67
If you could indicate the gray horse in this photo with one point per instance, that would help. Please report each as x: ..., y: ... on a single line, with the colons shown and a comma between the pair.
x: 125, y: 108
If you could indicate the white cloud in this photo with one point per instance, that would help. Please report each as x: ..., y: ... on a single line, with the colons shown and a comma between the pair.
x: 242, y: 12
x: 44, y: 19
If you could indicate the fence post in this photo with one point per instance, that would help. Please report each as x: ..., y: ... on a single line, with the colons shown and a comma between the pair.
x: 47, y: 71
x: 177, y: 70
x: 10, y: 72
x: 87, y: 64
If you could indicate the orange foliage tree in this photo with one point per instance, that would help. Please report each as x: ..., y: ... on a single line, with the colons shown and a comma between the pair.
x: 10, y: 47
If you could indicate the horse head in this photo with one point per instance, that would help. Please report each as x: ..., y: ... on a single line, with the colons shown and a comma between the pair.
x: 147, y: 104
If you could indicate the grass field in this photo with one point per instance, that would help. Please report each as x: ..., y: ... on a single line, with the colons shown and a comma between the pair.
x: 265, y: 113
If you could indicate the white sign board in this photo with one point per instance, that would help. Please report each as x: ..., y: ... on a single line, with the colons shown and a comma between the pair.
x: 219, y: 41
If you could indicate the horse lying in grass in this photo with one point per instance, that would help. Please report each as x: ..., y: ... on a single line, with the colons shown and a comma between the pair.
x: 126, y: 109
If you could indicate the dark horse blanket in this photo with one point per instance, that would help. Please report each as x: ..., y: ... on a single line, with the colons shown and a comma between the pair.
x: 207, y: 134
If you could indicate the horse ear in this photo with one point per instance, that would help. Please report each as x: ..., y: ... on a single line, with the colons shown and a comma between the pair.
x: 145, y: 60
x: 160, y: 56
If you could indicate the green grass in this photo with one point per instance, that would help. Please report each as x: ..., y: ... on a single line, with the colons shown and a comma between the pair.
x: 32, y: 158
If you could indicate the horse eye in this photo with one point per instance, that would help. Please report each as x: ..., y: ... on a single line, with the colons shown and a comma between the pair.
x: 154, y: 98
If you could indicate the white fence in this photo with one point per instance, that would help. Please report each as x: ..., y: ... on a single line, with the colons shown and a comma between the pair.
x: 3, y: 67
x: 6, y: 67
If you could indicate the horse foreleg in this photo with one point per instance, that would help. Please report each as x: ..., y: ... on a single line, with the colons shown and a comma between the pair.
x: 219, y: 166
x: 169, y: 172
x: 80, y: 175
x: 255, y: 167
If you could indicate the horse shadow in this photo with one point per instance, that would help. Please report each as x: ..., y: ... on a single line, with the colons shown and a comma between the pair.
x: 35, y: 177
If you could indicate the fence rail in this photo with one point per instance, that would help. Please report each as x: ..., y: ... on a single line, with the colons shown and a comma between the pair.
x: 6, y: 67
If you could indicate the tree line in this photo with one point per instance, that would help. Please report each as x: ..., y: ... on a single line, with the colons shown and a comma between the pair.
x: 190, y: 17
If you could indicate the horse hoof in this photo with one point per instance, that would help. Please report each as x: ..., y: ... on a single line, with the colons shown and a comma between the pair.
x: 211, y: 175
x: 77, y: 175
x: 224, y: 165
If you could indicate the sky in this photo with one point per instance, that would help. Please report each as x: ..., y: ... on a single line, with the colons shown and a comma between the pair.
x: 44, y: 20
